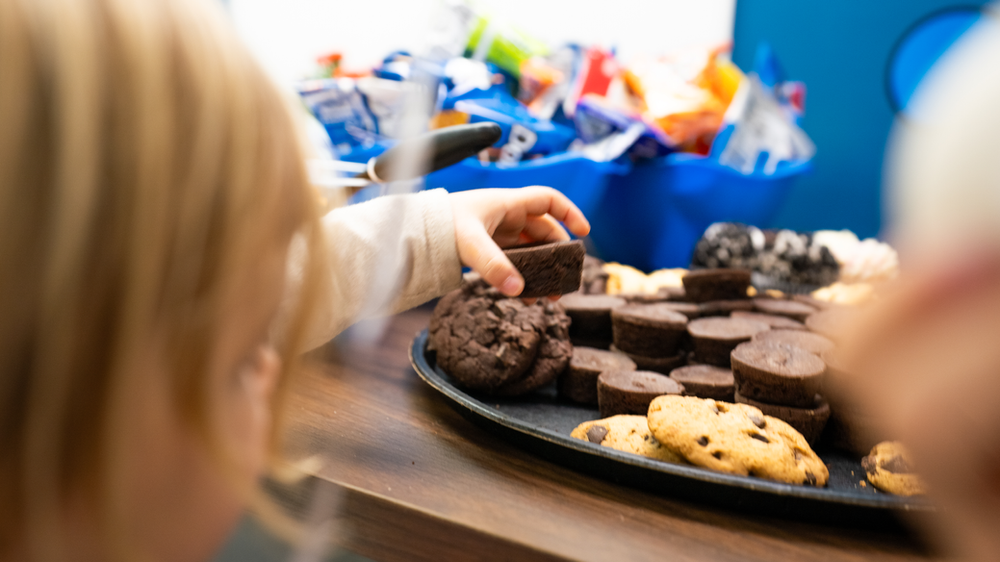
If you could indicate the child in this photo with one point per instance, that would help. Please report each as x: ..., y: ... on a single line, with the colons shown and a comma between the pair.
x: 927, y: 359
x: 151, y: 185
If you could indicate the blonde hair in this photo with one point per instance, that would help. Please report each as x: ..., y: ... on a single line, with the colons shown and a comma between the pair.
x: 144, y: 158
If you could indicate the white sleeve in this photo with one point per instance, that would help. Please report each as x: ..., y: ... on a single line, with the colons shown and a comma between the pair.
x: 385, y: 256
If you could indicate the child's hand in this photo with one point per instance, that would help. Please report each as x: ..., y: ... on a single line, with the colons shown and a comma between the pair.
x: 488, y: 219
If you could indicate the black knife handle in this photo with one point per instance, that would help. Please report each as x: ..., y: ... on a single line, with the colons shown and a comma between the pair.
x: 437, y: 149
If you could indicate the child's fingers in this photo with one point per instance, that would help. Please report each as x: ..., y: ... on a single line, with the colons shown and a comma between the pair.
x: 478, y: 250
x: 537, y: 200
x: 545, y: 229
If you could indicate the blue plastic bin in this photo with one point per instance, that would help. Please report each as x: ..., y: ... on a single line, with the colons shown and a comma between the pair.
x: 579, y: 178
x: 652, y: 217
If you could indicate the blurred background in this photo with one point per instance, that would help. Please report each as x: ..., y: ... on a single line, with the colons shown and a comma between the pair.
x: 826, y: 66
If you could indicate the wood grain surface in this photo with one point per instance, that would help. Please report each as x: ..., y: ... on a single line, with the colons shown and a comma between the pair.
x: 416, y: 481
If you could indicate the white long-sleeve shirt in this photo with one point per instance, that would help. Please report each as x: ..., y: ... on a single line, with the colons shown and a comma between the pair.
x: 385, y: 256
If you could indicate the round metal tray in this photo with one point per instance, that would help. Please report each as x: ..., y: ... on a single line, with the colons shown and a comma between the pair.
x: 541, y: 423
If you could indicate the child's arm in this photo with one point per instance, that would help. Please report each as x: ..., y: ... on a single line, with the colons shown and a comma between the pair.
x: 396, y: 252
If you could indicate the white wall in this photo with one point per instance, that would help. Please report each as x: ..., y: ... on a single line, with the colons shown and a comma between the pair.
x: 288, y: 35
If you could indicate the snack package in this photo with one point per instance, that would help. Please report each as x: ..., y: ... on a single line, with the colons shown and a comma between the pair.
x: 685, y: 94
x: 760, y: 129
x: 497, y: 42
x: 593, y: 75
x: 498, y: 105
x: 758, y: 134
x: 342, y: 110
x: 358, y: 112
x: 607, y: 133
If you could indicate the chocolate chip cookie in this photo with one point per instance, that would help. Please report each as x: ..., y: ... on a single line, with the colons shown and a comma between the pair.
x: 734, y: 438
x: 889, y: 469
x: 625, y: 433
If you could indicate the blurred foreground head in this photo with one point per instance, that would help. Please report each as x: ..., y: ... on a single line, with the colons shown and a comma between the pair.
x: 927, y: 359
x: 150, y: 183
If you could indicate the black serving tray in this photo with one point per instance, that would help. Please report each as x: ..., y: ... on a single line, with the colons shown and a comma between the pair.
x: 541, y: 424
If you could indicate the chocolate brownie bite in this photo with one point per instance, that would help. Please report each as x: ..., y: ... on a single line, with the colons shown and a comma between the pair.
x: 795, y: 310
x: 644, y: 298
x: 689, y: 309
x: 673, y: 294
x: 595, y: 279
x: 579, y: 381
x: 715, y: 338
x: 649, y: 330
x: 808, y: 421
x: 706, y: 381
x: 591, y: 317
x: 551, y: 268
x: 777, y: 374
x: 630, y: 392
x: 483, y: 339
x: 775, y: 322
x: 658, y: 364
x: 725, y: 308
x: 704, y: 285
x: 809, y: 341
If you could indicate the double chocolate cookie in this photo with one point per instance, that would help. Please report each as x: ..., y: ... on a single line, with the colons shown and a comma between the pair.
x: 497, y: 345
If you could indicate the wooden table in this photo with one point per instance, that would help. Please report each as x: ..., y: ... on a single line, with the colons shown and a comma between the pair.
x: 416, y: 481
